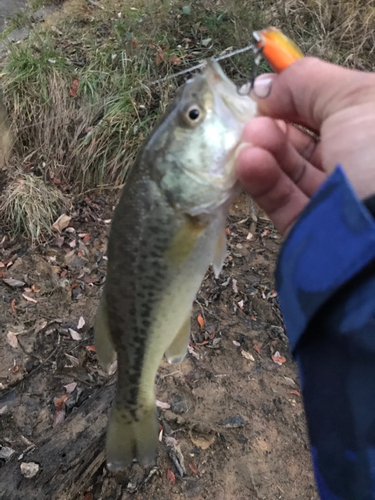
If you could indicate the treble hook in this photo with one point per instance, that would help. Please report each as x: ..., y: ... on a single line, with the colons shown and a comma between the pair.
x: 277, y: 49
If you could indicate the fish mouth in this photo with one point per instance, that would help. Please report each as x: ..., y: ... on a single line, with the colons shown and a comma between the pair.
x: 242, y: 107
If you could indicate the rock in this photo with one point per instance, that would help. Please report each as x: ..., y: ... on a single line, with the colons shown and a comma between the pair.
x: 6, y: 452
x: 40, y: 15
x: 177, y: 404
x: 233, y: 422
x: 29, y: 469
x: 18, y: 34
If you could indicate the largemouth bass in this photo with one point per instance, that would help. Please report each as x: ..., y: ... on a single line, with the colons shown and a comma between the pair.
x: 168, y: 227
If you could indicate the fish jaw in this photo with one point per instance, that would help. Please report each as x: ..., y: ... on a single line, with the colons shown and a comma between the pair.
x: 242, y: 107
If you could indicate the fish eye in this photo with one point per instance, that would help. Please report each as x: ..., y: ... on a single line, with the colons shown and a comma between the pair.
x: 194, y: 113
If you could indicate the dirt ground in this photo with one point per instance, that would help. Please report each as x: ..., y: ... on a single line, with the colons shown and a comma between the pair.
x: 235, y: 426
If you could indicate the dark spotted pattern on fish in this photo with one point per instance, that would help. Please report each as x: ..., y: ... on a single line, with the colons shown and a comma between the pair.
x: 135, y: 287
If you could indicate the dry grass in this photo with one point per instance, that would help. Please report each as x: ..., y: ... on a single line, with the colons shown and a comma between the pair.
x: 30, y: 206
x: 114, y: 51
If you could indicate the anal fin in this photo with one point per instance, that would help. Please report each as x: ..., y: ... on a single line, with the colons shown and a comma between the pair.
x: 176, y: 352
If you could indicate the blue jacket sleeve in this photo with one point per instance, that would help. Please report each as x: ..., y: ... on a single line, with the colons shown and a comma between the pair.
x: 326, y: 283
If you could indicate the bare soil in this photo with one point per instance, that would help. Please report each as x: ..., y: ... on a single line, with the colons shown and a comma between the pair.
x: 235, y: 428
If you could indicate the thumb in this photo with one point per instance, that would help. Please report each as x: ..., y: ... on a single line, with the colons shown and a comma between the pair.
x: 311, y: 90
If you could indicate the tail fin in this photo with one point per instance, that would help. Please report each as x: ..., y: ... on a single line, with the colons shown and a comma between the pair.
x: 129, y: 438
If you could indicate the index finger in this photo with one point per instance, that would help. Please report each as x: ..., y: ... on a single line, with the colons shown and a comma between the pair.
x: 311, y: 90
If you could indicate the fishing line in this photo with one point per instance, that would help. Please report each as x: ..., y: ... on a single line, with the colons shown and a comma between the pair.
x: 146, y: 84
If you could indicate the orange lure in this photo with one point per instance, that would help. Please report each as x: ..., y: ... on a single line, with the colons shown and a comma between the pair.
x: 278, y: 50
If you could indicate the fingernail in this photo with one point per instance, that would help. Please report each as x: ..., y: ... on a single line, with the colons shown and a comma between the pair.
x: 263, y: 86
x: 241, y: 147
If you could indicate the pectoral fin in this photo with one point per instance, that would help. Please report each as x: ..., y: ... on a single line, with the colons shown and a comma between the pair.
x: 103, y: 343
x: 220, y: 253
x: 176, y: 352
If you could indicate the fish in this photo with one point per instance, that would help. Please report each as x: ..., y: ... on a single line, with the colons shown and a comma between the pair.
x: 167, y: 228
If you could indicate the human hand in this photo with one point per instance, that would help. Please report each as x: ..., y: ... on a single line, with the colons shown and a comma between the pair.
x: 282, y: 166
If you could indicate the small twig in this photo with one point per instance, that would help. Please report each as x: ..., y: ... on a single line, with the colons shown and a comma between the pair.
x: 176, y: 462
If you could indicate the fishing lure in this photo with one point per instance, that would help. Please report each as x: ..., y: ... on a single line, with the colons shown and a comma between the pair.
x: 276, y: 48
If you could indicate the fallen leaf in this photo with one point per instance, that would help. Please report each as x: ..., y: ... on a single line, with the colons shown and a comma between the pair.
x: 70, y: 387
x: 86, y: 238
x: 237, y: 344
x: 201, y: 321
x: 75, y: 335
x: 289, y: 381
x: 88, y: 496
x: 164, y: 406
x: 12, y: 339
x: 227, y: 230
x: 74, y: 87
x: 60, y: 401
x: 192, y: 352
x: 256, y: 348
x: 175, y: 60
x: 161, y: 435
x: 61, y: 223
x: 160, y: 56
x: 59, y: 416
x: 193, y: 467
x: 81, y: 323
x: 201, y: 442
x: 59, y: 241
x: 15, y: 369
x: 91, y: 348
x: 2, y: 264
x: 13, y: 306
x: 35, y: 289
x: 234, y: 285
x: 14, y: 283
x: 30, y: 299
x: 247, y: 355
x: 72, y: 359
x: 171, y: 477
x: 170, y: 441
x: 134, y: 42
x: 249, y: 237
x: 273, y: 294
x: 205, y: 342
x: 265, y: 232
x: 278, y: 359
x: 240, y: 304
x: 293, y: 391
